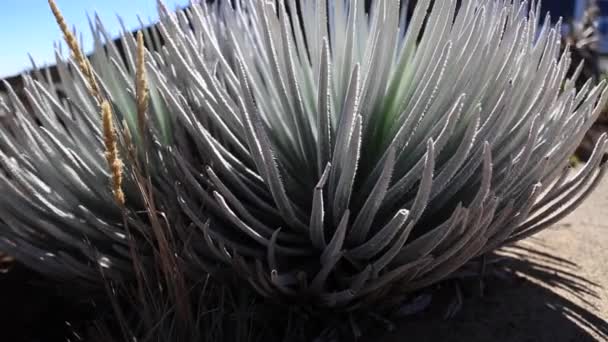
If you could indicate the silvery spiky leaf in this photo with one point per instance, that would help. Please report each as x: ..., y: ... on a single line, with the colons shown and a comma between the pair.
x: 342, y: 155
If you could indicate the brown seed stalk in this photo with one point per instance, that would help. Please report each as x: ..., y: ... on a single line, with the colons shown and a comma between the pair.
x: 112, y: 155
x: 141, y: 87
x: 83, y: 63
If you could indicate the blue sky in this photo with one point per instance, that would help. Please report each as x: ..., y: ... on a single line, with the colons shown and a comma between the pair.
x: 28, y: 26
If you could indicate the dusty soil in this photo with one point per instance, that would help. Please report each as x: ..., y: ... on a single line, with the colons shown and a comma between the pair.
x: 555, y: 289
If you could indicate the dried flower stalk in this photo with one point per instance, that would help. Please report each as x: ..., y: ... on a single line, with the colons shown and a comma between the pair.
x: 141, y: 87
x: 81, y: 60
x: 112, y: 155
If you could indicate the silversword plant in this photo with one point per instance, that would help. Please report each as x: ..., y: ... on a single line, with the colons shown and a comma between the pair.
x: 321, y: 151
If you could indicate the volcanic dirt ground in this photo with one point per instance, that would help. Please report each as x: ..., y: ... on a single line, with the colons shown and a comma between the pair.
x: 555, y: 289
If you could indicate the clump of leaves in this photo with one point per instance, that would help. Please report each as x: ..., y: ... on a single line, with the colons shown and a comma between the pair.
x: 348, y: 156
x: 330, y: 156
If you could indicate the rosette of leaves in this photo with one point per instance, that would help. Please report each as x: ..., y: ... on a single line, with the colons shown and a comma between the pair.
x: 583, y: 39
x: 325, y: 153
x: 344, y: 157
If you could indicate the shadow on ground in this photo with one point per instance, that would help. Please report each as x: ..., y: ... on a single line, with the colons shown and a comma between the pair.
x: 522, y: 305
x: 531, y: 296
x: 31, y: 311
